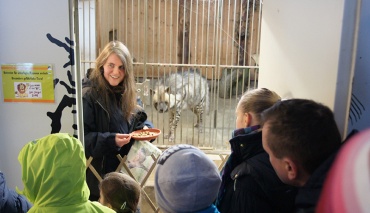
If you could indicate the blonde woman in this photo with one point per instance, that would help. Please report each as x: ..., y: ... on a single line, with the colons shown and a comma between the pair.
x: 110, y: 111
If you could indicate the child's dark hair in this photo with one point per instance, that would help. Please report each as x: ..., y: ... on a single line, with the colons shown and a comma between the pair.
x: 120, y: 191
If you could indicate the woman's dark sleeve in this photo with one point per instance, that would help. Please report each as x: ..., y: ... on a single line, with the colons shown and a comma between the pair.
x: 139, y: 121
x: 96, y: 143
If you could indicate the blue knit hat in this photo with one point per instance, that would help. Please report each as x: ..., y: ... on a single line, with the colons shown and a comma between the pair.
x: 186, y: 180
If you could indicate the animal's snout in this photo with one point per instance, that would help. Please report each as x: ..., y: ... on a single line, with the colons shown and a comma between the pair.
x: 161, y: 107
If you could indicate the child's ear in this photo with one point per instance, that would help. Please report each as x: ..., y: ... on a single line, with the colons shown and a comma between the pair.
x: 247, y: 119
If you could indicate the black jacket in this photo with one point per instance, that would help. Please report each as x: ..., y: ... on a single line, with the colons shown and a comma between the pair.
x: 10, y: 200
x: 309, y: 194
x: 100, y: 129
x: 249, y: 182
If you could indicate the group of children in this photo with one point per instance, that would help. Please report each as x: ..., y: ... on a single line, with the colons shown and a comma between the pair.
x: 281, y: 152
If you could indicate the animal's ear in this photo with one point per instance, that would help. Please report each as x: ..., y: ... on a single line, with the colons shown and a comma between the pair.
x: 167, y: 89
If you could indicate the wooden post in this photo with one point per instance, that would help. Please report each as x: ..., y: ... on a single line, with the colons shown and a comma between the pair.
x: 184, y: 22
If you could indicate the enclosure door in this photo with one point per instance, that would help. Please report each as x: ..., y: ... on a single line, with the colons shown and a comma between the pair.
x: 220, y: 39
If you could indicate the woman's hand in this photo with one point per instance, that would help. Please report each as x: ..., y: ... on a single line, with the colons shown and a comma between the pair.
x: 122, y: 139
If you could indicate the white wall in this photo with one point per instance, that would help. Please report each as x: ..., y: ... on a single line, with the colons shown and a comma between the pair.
x: 24, y: 25
x: 306, y: 50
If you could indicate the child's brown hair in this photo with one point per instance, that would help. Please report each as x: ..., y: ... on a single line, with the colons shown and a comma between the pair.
x: 120, y: 192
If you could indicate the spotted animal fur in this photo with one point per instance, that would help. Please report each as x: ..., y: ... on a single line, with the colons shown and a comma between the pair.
x: 180, y: 91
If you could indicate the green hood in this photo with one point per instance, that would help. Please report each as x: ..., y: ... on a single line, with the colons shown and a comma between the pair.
x: 53, y: 173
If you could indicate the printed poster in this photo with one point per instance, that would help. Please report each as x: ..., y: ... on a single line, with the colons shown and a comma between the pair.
x: 27, y: 82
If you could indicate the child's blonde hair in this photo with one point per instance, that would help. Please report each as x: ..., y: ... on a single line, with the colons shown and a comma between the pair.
x: 257, y: 100
x: 120, y: 191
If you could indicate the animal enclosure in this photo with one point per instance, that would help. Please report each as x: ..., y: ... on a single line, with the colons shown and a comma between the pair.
x: 218, y: 38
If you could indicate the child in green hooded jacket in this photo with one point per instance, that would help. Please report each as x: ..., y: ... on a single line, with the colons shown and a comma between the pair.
x: 54, y: 176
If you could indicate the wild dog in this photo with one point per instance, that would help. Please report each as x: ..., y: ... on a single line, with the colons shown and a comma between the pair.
x: 180, y: 91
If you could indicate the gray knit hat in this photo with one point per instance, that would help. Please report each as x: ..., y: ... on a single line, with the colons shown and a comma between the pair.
x: 186, y: 180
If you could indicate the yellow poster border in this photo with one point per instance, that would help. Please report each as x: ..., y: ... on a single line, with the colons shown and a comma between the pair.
x: 28, y: 82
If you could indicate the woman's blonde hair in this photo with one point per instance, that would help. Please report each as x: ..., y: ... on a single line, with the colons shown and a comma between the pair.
x: 127, y: 86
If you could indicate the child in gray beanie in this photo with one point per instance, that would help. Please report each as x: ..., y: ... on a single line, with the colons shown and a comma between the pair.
x: 186, y: 180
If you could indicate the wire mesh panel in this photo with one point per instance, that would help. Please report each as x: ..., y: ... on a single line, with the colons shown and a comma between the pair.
x: 219, y: 39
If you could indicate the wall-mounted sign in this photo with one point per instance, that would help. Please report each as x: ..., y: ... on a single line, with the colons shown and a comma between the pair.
x: 27, y: 82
